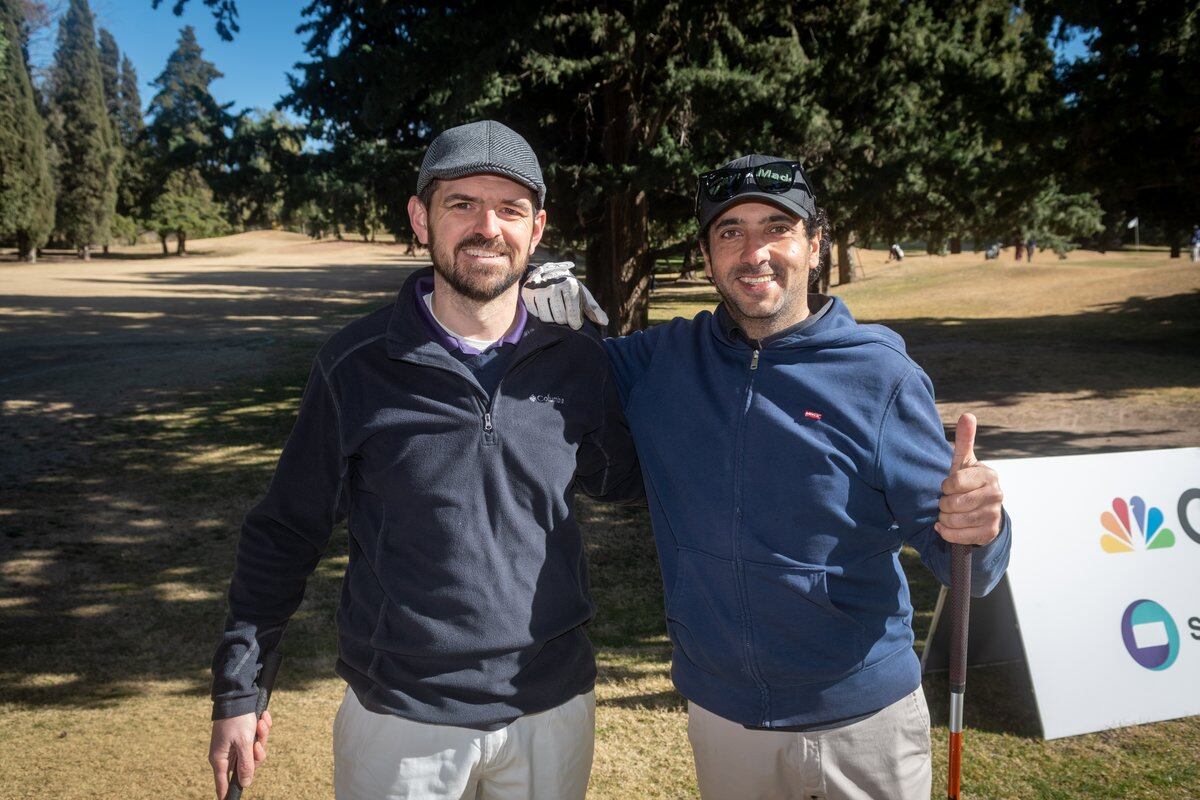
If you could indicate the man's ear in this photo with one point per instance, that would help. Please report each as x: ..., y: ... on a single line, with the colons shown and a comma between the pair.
x: 539, y: 227
x: 707, y: 260
x: 814, y: 253
x: 418, y: 216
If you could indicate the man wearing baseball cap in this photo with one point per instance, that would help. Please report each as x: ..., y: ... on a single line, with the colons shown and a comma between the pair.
x: 450, y: 429
x: 814, y: 452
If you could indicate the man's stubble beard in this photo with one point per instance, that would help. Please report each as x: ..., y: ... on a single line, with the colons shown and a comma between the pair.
x: 787, y: 301
x: 472, y: 285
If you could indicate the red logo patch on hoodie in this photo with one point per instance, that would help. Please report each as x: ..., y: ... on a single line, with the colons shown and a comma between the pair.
x: 812, y: 415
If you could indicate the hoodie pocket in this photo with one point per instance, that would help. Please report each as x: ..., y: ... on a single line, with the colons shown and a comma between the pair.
x: 800, y: 636
x: 702, y: 615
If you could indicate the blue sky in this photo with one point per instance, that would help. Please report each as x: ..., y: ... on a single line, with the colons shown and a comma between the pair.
x: 254, y: 63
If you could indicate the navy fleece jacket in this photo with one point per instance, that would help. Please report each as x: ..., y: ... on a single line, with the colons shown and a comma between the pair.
x: 783, y: 478
x: 465, y: 598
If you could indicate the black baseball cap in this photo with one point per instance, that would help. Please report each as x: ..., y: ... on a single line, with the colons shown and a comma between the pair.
x: 768, y: 179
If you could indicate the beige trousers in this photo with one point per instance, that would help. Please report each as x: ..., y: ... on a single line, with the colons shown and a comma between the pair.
x: 883, y: 757
x: 543, y: 756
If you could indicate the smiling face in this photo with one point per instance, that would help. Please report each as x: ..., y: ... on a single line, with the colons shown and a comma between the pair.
x: 481, y: 230
x: 759, y: 257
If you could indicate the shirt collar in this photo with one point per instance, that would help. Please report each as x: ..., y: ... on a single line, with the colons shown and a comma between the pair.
x: 443, y: 337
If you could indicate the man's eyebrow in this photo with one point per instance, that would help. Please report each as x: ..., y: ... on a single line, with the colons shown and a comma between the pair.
x: 730, y: 221
x: 778, y: 218
x: 458, y: 198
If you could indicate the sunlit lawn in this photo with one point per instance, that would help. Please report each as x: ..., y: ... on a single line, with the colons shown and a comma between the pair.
x: 114, y: 569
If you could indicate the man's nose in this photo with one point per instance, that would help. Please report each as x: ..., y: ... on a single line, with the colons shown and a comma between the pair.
x: 488, y: 224
x: 755, y: 251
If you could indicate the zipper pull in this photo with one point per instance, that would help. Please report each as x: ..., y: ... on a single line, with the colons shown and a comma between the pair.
x: 754, y: 361
x: 487, y: 421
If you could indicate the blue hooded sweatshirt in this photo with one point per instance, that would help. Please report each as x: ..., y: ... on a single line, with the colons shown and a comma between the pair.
x: 783, y: 477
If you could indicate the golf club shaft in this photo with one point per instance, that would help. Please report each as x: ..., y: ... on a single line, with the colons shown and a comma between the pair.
x: 266, y: 682
x: 960, y: 611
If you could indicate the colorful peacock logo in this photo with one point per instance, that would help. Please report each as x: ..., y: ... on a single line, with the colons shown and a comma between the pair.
x: 1120, y: 537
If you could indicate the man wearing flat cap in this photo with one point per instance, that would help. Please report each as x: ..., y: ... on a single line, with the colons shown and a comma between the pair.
x: 450, y: 429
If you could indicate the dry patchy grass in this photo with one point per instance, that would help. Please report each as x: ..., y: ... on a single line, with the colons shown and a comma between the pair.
x: 119, y: 522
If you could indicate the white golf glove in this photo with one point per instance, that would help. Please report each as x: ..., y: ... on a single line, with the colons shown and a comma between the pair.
x: 552, y: 294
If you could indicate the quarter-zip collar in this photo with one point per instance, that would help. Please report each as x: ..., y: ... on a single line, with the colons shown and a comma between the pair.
x: 409, y: 338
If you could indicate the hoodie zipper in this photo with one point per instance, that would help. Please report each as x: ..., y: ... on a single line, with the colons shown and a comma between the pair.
x: 739, y: 571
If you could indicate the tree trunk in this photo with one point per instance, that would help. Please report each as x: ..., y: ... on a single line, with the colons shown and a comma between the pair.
x: 163, y: 240
x: 619, y: 263
x: 180, y: 243
x: 105, y: 249
x: 690, y: 262
x: 25, y: 250
x: 845, y: 273
x: 955, y: 245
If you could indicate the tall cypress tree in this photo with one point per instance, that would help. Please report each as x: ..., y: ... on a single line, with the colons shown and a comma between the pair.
x: 129, y: 114
x: 26, y: 186
x: 89, y: 157
x: 130, y: 132
x: 110, y: 73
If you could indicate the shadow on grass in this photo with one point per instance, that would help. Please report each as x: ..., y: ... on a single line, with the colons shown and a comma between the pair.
x: 114, y: 566
x: 1139, y: 343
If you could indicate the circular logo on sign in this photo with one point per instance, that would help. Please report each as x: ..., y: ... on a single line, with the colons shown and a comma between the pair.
x: 1150, y: 635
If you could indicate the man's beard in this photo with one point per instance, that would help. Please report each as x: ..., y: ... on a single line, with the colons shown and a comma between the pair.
x: 473, y: 284
x: 786, y: 299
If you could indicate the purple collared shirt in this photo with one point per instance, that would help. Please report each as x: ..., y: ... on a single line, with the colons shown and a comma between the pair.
x: 443, y: 337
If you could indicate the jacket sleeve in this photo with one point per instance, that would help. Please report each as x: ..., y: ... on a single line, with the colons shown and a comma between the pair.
x: 282, y: 539
x: 630, y: 357
x: 913, y: 458
x: 607, y: 466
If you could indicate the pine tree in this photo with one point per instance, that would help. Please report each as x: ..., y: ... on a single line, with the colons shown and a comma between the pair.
x: 88, y: 152
x: 187, y: 127
x: 186, y: 133
x: 26, y: 186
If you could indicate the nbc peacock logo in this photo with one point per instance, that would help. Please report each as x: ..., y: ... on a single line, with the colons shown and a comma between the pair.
x: 1121, y: 537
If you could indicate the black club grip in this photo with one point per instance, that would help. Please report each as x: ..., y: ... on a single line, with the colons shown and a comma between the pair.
x: 960, y: 609
x: 266, y: 682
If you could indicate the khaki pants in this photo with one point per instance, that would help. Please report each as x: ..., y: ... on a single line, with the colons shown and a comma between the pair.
x: 883, y: 757
x: 544, y: 756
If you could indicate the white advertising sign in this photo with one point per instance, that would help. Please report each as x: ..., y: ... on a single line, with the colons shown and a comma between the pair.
x: 1105, y: 583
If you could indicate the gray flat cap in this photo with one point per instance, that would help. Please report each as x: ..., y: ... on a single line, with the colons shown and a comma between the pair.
x: 482, y: 147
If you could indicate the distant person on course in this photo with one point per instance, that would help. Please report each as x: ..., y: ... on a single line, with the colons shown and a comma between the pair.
x: 451, y: 428
x: 1195, y: 242
x: 789, y: 453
